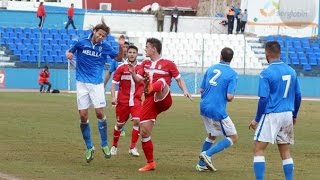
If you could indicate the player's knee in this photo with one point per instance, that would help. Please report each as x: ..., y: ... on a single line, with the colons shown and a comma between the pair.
x: 119, y: 126
x: 145, y: 133
x: 136, y: 122
x: 100, y: 115
x: 234, y: 138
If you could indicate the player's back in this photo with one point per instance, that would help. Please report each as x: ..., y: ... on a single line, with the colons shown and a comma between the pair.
x: 218, y: 80
x: 283, y: 85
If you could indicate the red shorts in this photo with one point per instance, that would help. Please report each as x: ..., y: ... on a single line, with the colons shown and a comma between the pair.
x: 151, y: 109
x: 123, y: 113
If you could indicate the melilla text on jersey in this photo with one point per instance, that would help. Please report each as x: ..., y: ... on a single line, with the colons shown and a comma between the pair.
x: 91, y: 53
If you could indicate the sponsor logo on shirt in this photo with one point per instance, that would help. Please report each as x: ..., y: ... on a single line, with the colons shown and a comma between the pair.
x: 91, y: 53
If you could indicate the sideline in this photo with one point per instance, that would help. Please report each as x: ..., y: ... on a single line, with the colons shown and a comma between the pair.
x: 193, y: 95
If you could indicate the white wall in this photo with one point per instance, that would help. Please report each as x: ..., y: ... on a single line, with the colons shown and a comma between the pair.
x: 33, y: 5
x: 147, y: 23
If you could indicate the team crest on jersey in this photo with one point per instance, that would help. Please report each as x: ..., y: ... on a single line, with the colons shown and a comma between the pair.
x: 100, y: 48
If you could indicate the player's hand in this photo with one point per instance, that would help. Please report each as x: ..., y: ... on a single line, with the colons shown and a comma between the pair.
x: 253, y: 124
x: 69, y: 55
x: 188, y: 95
x: 114, y: 102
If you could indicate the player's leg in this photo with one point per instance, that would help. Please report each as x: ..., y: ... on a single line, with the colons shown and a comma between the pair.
x: 122, y: 115
x: 208, y: 142
x: 41, y: 87
x: 284, y: 139
x: 287, y: 161
x: 83, y: 102
x: 147, y: 144
x: 97, y: 97
x: 49, y: 86
x: 134, y: 137
x: 228, y: 129
x: 265, y: 133
x: 259, y: 163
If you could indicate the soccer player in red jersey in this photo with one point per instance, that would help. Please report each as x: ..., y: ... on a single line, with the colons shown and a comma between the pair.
x: 128, y: 101
x: 157, y: 73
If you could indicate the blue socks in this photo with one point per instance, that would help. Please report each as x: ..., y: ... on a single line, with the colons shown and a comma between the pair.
x: 220, y: 146
x: 205, y: 146
x: 86, y: 134
x: 259, y: 165
x: 102, y: 126
x: 287, y: 165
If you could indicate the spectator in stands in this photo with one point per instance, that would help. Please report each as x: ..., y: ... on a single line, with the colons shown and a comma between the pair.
x: 70, y: 13
x: 244, y: 19
x: 44, y: 79
x: 230, y: 17
x: 238, y: 17
x: 160, y: 18
x: 224, y: 23
x: 174, y: 19
x: 41, y: 14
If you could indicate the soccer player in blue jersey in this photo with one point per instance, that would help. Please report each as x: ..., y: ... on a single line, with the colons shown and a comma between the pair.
x: 91, y: 55
x: 217, y: 88
x: 278, y: 106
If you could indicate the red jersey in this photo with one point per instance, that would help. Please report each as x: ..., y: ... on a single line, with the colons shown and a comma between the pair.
x: 129, y: 92
x: 43, y: 76
x: 41, y: 11
x: 70, y: 12
x: 162, y: 68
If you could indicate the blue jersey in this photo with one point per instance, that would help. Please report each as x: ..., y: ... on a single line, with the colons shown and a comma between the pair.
x: 114, y: 65
x: 218, y: 81
x: 279, y: 84
x: 91, y: 59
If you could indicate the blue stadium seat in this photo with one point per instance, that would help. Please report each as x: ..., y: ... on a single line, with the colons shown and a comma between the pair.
x: 35, y: 31
x: 62, y: 31
x: 32, y: 59
x: 294, y: 60
x: 26, y: 52
x: 53, y: 53
x: 8, y: 41
x: 8, y: 29
x: 66, y: 36
x: 17, y: 41
x: 31, y: 47
x: 26, y: 30
x: 26, y: 41
x: 57, y: 36
x: 48, y: 36
x: 56, y: 47
x: 71, y: 31
x: 23, y: 58
x: 12, y: 47
x: 17, y: 52
x: 53, y: 42
x: 21, y: 46
x: 47, y: 47
x: 57, y: 59
x: 45, y: 31
x: 49, y: 59
x: 303, y: 60
x: 53, y: 31
x: 307, y: 67
x: 313, y: 61
x: 22, y: 35
x: 17, y: 30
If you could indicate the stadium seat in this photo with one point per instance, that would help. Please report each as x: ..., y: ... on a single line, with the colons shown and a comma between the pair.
x: 313, y: 61
x: 294, y: 60
x: 23, y: 58
x: 307, y: 67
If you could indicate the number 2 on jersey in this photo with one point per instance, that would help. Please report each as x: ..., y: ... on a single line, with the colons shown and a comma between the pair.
x: 213, y: 80
x: 286, y: 78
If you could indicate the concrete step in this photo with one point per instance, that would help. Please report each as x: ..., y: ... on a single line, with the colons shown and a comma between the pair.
x: 4, y: 58
x: 7, y: 64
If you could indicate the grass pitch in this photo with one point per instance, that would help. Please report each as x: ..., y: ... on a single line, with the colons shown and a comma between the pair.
x: 40, y: 139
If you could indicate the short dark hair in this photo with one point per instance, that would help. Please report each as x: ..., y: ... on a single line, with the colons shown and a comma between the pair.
x: 103, y: 26
x: 273, y: 47
x: 133, y: 47
x: 227, y: 54
x: 45, y: 67
x: 155, y: 43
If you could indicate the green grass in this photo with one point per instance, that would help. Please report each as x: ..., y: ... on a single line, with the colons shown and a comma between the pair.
x: 40, y: 139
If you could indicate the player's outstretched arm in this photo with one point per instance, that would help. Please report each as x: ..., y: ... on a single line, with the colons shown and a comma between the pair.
x: 106, y: 78
x: 120, y: 56
x: 183, y: 87
x: 135, y: 77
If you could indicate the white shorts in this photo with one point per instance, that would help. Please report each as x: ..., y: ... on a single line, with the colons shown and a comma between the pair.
x: 90, y: 94
x: 224, y: 127
x: 275, y: 128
